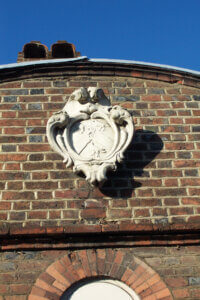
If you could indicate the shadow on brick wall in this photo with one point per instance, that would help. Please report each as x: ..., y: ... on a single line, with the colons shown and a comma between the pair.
x: 145, y: 146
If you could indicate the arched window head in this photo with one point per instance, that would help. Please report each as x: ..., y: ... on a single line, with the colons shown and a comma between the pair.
x: 100, y: 289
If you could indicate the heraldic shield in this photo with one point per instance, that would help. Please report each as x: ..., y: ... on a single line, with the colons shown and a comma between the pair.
x: 90, y: 134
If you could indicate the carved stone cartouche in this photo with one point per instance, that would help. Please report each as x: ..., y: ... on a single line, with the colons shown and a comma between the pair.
x: 90, y: 134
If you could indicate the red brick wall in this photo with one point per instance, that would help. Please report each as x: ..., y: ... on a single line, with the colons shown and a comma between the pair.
x: 179, y: 268
x: 158, y: 183
x: 156, y: 188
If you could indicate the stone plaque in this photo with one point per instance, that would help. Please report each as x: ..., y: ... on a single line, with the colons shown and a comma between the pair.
x: 90, y: 134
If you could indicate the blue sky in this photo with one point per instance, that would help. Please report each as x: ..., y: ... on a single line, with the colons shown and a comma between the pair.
x: 157, y: 31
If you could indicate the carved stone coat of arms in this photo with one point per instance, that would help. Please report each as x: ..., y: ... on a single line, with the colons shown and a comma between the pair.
x: 90, y: 134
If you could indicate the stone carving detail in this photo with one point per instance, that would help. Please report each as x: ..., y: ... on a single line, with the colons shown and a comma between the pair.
x: 90, y: 134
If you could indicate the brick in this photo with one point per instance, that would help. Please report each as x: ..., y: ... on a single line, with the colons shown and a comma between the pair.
x: 14, y: 176
x: 12, y: 166
x: 119, y: 213
x: 17, y: 106
x: 37, y: 215
x: 14, y: 131
x: 54, y: 214
x: 62, y: 175
x: 190, y: 201
x: 184, y: 154
x: 159, y: 212
x: 40, y: 175
x: 5, y: 205
x: 190, y: 182
x: 175, y: 128
x: 75, y: 204
x: 192, y: 120
x: 48, y: 204
x: 36, y: 157
x: 36, y: 91
x: 145, y: 193
x: 141, y: 213
x: 17, y: 216
x: 93, y: 213
x: 8, y: 148
x: 194, y: 191
x: 71, y: 214
x: 33, y: 148
x: 119, y: 203
x: 7, y: 267
x: 155, y: 91
x: 9, y: 114
x: 19, y: 288
x: 18, y: 195
x: 44, y: 195
x: 34, y: 122
x: 22, y: 205
x: 33, y: 98
x: 36, y: 84
x: 11, y: 85
x: 34, y: 106
x: 164, y: 294
x: 195, y: 293
x: 3, y: 216
x: 196, y: 128
x: 152, y: 98
x: 14, y: 92
x: 56, y: 98
x: 44, y: 185
x: 196, y: 112
x: 29, y: 114
x: 17, y: 185
x: 176, y: 282
x: 181, y: 293
x: 173, y: 91
x: 179, y: 146
x: 3, y: 289
x: 12, y: 139
x: 170, y: 182
x: 38, y: 166
x: 171, y: 192
x: 194, y: 219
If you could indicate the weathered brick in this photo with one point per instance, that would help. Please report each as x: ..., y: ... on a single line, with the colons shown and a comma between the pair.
x: 141, y: 212
x: 10, y: 99
x: 35, y: 106
x: 44, y: 185
x: 37, y: 215
x: 8, y: 148
x: 17, y: 216
x: 16, y: 195
x: 36, y: 91
x: 93, y: 213
x: 180, y: 293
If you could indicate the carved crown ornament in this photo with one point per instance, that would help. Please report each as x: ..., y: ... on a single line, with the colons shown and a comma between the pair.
x: 90, y: 134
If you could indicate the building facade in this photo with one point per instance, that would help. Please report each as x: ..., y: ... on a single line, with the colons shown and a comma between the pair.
x: 138, y: 233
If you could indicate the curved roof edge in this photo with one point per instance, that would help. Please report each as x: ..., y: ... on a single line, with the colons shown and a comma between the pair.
x: 142, y: 63
x: 41, y: 62
x: 98, y: 60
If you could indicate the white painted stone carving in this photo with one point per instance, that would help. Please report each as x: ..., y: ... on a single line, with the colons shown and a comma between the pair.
x: 90, y: 134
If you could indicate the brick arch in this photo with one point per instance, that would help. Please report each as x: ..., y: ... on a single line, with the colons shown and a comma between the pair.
x: 117, y: 264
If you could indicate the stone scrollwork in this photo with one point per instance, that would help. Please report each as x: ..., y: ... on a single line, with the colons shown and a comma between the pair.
x: 90, y: 134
